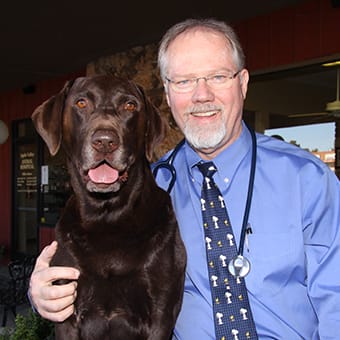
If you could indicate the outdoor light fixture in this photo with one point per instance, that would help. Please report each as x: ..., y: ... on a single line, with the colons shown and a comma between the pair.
x: 3, y: 132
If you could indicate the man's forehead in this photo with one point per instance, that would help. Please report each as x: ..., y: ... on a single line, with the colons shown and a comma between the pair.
x: 199, y: 51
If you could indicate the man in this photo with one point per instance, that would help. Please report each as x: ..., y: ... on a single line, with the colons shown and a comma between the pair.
x: 292, y: 240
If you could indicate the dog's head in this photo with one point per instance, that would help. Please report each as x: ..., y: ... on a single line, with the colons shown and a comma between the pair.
x: 105, y: 125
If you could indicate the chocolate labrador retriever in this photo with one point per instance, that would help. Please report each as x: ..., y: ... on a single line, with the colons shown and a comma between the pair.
x: 118, y: 228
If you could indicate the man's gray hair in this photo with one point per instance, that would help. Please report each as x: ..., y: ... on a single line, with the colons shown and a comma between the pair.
x: 204, y: 24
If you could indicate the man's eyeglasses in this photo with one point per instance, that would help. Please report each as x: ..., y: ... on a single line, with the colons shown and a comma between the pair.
x: 215, y: 81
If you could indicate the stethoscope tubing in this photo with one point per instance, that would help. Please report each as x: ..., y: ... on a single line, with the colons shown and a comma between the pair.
x: 250, y: 191
x: 168, y: 164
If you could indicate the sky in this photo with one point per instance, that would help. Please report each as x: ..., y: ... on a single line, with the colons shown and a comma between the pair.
x: 315, y: 136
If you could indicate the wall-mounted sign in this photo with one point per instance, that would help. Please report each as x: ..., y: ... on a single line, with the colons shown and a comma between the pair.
x: 27, y: 172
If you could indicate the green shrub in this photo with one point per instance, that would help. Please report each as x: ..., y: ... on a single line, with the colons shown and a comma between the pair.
x: 30, y: 327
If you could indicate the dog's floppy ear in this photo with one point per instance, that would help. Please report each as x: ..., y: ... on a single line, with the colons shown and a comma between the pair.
x: 47, y: 119
x: 156, y: 127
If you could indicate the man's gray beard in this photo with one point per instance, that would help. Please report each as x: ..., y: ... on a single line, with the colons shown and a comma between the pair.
x: 204, y: 137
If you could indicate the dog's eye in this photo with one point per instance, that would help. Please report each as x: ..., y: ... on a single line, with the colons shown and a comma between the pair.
x: 130, y: 106
x: 81, y: 103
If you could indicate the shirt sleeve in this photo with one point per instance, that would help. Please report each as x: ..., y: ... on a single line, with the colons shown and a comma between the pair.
x: 322, y: 249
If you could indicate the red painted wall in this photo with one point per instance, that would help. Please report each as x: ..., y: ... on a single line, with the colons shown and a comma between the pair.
x: 295, y: 34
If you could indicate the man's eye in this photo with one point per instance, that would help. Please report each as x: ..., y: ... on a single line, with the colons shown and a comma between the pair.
x: 81, y: 103
x: 219, y: 78
x: 182, y: 83
x: 130, y: 106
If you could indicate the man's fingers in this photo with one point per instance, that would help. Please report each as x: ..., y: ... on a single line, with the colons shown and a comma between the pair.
x: 44, y: 259
x: 55, y: 273
x: 58, y: 316
x: 41, y: 287
x: 56, y: 302
x: 67, y: 291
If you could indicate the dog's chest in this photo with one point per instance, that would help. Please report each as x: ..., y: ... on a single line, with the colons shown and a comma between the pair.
x: 108, y: 255
x: 113, y: 302
x: 110, y: 293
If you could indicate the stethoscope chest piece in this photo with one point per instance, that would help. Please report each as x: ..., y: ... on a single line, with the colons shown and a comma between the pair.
x: 239, y: 266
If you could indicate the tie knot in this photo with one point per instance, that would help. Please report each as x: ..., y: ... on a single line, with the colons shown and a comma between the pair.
x: 207, y: 169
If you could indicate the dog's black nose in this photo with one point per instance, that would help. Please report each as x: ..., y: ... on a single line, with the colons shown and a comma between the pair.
x: 105, y: 141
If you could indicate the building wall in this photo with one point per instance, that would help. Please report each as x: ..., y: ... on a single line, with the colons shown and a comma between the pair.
x: 16, y: 105
x: 327, y: 157
x: 289, y: 36
x: 292, y: 35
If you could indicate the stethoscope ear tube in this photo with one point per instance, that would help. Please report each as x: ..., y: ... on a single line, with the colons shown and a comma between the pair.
x: 168, y: 165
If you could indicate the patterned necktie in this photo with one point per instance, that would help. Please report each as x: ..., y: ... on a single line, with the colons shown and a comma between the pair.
x: 232, y: 314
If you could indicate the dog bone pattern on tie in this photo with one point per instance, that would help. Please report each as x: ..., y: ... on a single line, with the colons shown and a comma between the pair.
x: 232, y: 313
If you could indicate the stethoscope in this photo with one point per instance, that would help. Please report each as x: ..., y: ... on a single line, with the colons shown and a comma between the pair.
x: 240, y: 265
x: 168, y: 164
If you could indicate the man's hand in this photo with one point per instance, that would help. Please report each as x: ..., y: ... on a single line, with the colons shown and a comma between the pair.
x: 52, y: 302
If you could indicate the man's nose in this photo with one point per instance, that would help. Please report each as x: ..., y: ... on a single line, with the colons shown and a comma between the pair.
x: 202, y: 92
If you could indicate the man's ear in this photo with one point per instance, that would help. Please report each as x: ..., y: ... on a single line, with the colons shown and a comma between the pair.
x: 244, y: 79
x: 47, y: 119
x: 166, y: 94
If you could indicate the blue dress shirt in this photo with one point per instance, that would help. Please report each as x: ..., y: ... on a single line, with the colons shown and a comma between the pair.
x: 294, y: 248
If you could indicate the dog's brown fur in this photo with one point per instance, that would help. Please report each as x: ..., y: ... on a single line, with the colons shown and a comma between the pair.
x: 122, y: 235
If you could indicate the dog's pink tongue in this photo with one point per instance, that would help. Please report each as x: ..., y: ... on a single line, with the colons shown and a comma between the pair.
x: 103, y: 174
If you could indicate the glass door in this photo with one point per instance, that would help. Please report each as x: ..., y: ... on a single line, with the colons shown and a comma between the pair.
x: 25, y: 174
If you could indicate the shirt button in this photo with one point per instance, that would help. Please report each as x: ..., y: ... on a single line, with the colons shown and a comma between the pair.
x: 226, y: 180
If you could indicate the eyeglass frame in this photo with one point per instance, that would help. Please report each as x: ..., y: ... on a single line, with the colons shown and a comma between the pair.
x: 195, y: 80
